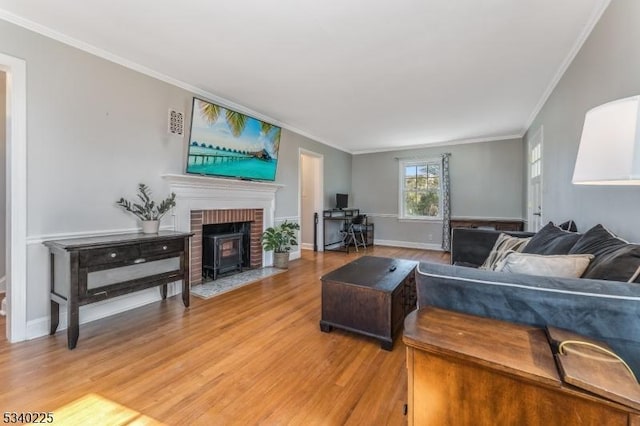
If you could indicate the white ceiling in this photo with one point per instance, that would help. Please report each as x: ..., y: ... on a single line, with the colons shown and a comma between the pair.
x: 361, y: 75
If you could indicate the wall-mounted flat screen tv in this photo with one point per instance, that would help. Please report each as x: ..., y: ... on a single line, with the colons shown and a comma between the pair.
x: 227, y: 143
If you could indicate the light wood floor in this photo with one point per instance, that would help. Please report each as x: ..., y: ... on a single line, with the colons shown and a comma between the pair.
x: 251, y: 356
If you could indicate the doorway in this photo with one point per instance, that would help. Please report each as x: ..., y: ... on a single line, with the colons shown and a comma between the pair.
x: 311, y: 199
x: 3, y: 207
x: 15, y: 116
x: 534, y: 173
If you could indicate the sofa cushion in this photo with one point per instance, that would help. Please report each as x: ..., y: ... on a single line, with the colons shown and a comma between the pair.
x: 566, y: 266
x: 472, y: 245
x: 615, y: 259
x: 551, y: 240
x: 503, y: 245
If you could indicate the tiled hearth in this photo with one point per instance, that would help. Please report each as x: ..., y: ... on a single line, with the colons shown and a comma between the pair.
x: 212, y: 217
x: 207, y: 200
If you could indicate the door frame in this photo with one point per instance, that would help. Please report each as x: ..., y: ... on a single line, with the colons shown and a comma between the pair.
x: 537, y: 137
x: 16, y: 176
x: 318, y: 190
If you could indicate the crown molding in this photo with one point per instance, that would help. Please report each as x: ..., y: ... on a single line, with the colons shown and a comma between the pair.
x: 111, y: 57
x: 104, y: 54
x: 442, y: 143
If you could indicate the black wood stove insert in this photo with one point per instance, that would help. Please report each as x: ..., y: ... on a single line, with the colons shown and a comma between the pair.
x: 224, y: 248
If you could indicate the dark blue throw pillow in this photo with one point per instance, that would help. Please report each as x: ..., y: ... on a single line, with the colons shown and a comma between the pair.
x: 569, y: 225
x: 551, y: 240
x: 615, y: 259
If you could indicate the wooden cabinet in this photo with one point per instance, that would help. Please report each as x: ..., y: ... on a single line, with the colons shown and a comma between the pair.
x: 497, y: 224
x: 369, y: 296
x: 91, y: 269
x: 468, y: 370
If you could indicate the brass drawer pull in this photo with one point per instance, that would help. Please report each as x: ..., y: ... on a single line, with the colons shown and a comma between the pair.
x: 140, y: 260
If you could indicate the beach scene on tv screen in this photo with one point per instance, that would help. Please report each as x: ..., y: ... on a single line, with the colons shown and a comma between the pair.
x: 227, y: 143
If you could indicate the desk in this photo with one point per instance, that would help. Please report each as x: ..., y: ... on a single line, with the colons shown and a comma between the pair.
x: 88, y: 270
x: 470, y: 370
x: 341, y: 218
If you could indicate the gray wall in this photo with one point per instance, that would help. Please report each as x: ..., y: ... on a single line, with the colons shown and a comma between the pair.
x: 3, y: 182
x: 337, y: 172
x: 486, y: 182
x: 96, y: 129
x: 606, y: 68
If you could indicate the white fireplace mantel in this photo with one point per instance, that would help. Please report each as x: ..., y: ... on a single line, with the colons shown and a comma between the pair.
x: 192, y: 182
x: 210, y: 193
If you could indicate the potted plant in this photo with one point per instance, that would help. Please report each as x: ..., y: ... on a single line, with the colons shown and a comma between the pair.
x: 147, y: 210
x: 280, y: 238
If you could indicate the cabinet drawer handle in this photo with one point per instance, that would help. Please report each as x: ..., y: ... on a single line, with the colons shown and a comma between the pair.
x: 164, y: 247
x: 113, y: 254
x: 140, y: 260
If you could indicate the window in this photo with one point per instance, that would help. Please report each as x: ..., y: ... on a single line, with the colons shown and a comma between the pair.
x: 420, y: 189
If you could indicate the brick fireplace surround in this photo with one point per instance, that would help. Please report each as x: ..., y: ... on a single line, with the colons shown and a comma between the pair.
x: 209, y: 200
x: 214, y: 217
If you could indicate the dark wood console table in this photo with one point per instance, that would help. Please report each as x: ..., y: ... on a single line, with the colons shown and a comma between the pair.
x: 497, y: 224
x: 88, y: 270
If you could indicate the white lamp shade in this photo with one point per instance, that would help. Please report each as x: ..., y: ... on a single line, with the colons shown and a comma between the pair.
x: 609, y: 152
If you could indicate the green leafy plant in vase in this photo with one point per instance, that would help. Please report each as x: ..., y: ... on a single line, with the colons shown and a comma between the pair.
x: 147, y: 210
x: 279, y: 239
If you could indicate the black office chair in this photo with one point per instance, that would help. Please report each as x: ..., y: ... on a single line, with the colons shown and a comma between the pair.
x: 356, y: 230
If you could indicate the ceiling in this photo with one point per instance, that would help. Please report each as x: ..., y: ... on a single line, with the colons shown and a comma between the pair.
x: 360, y: 75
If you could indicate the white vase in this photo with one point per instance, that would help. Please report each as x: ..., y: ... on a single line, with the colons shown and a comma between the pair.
x: 150, y: 226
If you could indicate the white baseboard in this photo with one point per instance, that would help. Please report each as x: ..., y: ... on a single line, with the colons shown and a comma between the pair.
x: 408, y: 244
x: 295, y: 255
x: 306, y: 246
x: 3, y: 284
x: 40, y: 327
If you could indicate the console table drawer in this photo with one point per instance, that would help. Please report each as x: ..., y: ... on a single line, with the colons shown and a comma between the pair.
x: 108, y: 277
x: 167, y: 247
x: 104, y: 256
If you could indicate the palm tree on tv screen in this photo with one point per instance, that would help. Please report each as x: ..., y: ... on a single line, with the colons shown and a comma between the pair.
x: 265, y: 128
x: 235, y: 120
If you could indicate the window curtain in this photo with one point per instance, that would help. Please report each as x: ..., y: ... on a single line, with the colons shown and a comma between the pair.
x: 446, y: 204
